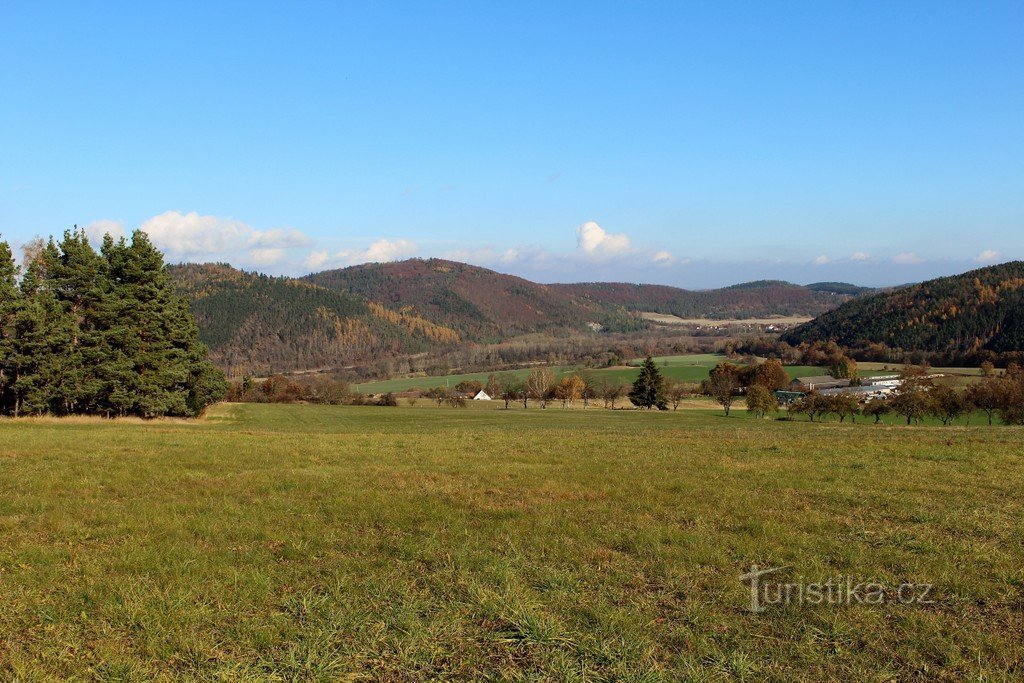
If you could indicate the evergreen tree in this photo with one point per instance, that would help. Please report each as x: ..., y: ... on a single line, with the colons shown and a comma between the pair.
x: 77, y: 276
x: 102, y: 333
x: 40, y: 366
x: 649, y: 388
x: 10, y: 301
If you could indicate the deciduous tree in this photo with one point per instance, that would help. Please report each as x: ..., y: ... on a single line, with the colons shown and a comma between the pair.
x: 761, y: 400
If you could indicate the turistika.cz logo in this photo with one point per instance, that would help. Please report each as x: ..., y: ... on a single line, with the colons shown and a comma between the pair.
x: 839, y: 590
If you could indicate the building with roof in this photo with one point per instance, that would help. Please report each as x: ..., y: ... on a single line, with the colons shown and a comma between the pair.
x: 818, y: 383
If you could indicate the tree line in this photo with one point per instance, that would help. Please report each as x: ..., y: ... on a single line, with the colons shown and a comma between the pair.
x: 650, y: 390
x: 919, y: 397
x: 98, y: 333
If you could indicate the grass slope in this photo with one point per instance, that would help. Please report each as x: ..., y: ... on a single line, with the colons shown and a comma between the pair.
x: 343, y: 543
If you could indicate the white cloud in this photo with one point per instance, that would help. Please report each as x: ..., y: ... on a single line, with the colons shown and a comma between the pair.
x: 380, y: 251
x: 190, y: 235
x: 266, y: 256
x: 388, y: 250
x: 97, y: 229
x: 316, y: 260
x: 470, y: 255
x: 511, y: 256
x: 530, y: 257
x: 860, y: 256
x: 821, y: 260
x: 593, y: 240
x: 987, y: 256
x: 907, y: 258
x: 663, y: 258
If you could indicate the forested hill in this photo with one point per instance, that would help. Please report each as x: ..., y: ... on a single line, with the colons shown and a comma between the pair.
x: 258, y: 324
x: 982, y: 310
x: 485, y: 304
x: 759, y: 299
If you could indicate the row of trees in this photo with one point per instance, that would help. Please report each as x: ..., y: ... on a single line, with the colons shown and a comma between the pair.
x: 919, y: 397
x: 827, y: 353
x: 319, y: 389
x: 102, y: 333
x: 649, y: 390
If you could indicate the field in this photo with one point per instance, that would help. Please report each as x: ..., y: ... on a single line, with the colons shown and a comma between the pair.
x: 685, y: 368
x: 309, y: 543
x: 668, y: 319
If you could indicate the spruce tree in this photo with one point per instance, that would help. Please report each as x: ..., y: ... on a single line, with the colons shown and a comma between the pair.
x: 10, y: 300
x: 100, y: 333
x: 77, y: 276
x: 649, y: 388
x: 171, y: 375
x: 42, y: 369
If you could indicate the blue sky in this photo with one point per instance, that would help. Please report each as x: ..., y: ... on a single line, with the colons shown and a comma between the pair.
x: 692, y: 144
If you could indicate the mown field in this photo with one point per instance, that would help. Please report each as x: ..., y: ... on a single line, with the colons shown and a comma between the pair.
x: 314, y: 543
x: 684, y: 368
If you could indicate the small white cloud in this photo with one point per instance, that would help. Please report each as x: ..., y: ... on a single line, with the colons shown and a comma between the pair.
x: 907, y: 258
x: 266, y: 256
x: 388, y: 250
x: 481, y: 255
x: 663, y: 258
x: 380, y: 251
x: 510, y: 256
x: 280, y: 238
x: 530, y: 257
x: 192, y: 235
x: 593, y: 240
x: 987, y: 256
x: 860, y: 256
x: 821, y: 260
x: 97, y: 229
x: 316, y: 259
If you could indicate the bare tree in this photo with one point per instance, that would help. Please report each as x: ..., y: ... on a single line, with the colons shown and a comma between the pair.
x: 539, y: 384
x: 677, y: 391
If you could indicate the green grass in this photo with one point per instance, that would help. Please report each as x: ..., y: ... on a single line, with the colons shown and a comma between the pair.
x: 685, y: 368
x: 309, y: 543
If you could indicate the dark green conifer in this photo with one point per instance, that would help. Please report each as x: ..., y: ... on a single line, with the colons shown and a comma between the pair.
x: 102, y: 333
x: 649, y: 388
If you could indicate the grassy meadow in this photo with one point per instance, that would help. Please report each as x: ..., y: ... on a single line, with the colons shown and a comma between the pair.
x: 684, y: 368
x: 316, y: 543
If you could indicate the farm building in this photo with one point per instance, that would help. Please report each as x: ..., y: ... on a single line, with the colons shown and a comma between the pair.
x: 481, y: 396
x: 819, y: 382
x: 862, y: 393
x: 882, y: 381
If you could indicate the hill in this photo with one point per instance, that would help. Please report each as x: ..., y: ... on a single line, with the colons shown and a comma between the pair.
x: 958, y: 316
x: 760, y: 299
x: 257, y: 323
x: 485, y: 304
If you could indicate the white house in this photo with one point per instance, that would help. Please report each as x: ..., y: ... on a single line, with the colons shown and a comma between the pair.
x: 482, y: 396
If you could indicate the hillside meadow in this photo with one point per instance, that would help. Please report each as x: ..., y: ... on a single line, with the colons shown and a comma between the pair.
x: 317, y: 543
